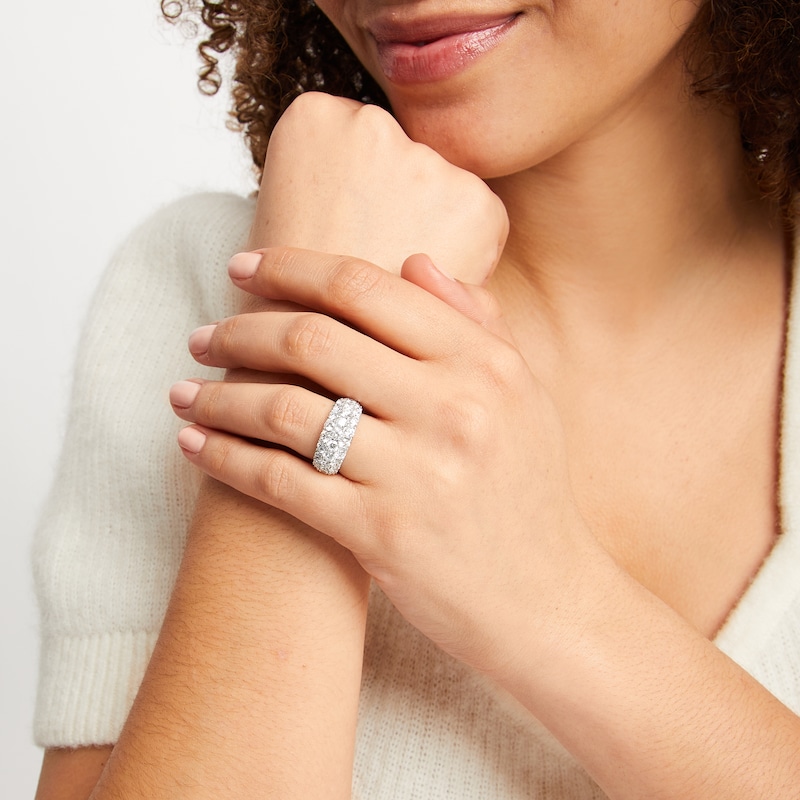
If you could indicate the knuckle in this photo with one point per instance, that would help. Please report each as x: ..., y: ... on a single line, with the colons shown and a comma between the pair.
x: 223, y: 341
x: 467, y: 423
x: 351, y: 281
x: 489, y: 304
x: 483, y: 203
x: 276, y: 480
x: 303, y: 108
x: 277, y: 262
x: 498, y: 212
x: 303, y: 103
x: 502, y: 368
x: 471, y: 183
x: 308, y: 337
x: 375, y: 122
x: 316, y: 103
x: 285, y: 412
x: 311, y: 111
x: 218, y: 458
x: 208, y: 403
x: 472, y: 191
x: 491, y: 205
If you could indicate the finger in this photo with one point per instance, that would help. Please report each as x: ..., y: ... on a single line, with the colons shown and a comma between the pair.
x: 474, y: 302
x: 279, y: 414
x: 384, y: 306
x: 329, y: 503
x: 343, y: 361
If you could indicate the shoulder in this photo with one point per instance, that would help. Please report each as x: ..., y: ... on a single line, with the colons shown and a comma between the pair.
x: 214, y: 215
x: 195, y: 228
x: 168, y: 276
x: 181, y: 250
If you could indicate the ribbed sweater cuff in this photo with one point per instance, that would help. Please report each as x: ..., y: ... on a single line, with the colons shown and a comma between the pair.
x: 87, y: 685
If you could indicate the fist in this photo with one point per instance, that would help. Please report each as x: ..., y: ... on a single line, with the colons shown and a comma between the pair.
x: 341, y: 177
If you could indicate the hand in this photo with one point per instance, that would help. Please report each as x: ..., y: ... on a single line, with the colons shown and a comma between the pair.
x: 342, y: 177
x: 455, y: 492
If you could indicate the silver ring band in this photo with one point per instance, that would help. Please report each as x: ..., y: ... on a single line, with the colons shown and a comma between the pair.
x: 337, y: 433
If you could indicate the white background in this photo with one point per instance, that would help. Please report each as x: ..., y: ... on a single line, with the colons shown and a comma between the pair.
x: 101, y: 124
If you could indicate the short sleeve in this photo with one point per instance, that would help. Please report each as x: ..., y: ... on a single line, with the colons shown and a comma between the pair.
x: 111, y: 535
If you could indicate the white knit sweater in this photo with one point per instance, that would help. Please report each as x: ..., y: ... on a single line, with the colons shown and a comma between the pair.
x: 111, y: 536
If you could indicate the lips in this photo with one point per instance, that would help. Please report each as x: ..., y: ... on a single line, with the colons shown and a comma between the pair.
x: 429, y: 30
x: 429, y: 50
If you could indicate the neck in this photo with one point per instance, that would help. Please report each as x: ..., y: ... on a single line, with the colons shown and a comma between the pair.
x: 654, y: 205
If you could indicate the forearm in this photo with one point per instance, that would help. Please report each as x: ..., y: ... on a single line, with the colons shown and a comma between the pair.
x: 253, y: 686
x: 653, y: 709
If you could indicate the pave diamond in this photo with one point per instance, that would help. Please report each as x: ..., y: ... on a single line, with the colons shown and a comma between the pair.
x: 337, y: 433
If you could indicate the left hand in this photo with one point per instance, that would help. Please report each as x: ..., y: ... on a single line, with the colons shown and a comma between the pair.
x: 455, y: 492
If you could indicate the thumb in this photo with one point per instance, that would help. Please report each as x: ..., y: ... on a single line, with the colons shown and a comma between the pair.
x: 474, y: 302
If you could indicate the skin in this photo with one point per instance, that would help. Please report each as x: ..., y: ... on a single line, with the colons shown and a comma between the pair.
x: 582, y: 67
x: 643, y: 284
x: 566, y: 637
x: 243, y: 627
x: 571, y: 282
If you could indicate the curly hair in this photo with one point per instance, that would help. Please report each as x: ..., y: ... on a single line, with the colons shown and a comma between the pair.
x: 743, y: 54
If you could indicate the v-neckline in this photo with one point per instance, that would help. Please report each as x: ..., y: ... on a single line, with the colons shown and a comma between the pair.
x: 776, y: 585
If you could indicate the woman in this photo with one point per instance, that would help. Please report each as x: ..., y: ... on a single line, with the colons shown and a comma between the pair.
x: 569, y: 484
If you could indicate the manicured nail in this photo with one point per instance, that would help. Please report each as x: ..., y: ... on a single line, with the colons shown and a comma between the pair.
x: 191, y: 439
x: 183, y: 393
x: 244, y: 265
x: 200, y: 339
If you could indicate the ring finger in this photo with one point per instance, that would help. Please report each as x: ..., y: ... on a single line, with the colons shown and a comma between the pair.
x: 280, y: 414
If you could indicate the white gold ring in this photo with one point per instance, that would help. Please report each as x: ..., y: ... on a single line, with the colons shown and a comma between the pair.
x: 337, y: 433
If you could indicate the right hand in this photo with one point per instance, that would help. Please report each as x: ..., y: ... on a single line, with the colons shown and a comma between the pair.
x: 341, y: 177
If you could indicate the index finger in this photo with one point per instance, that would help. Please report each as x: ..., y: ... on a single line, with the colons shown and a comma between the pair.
x: 382, y: 305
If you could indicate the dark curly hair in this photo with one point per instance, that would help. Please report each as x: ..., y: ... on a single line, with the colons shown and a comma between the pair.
x: 743, y: 54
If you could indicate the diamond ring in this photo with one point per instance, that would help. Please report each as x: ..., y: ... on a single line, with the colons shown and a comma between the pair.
x: 337, y: 433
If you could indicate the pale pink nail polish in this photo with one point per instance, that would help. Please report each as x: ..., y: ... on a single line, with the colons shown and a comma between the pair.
x: 244, y: 265
x: 191, y: 439
x: 183, y: 393
x: 200, y: 339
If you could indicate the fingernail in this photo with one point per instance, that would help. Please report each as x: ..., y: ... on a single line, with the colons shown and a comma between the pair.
x: 191, y: 439
x: 200, y: 339
x: 244, y: 265
x: 183, y: 393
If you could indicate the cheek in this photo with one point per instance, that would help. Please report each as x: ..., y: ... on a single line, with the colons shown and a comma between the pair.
x: 497, y: 134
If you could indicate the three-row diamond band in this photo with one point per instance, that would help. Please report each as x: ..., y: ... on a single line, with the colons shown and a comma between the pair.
x: 337, y: 433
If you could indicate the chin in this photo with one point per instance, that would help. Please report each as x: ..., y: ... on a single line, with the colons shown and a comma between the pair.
x: 487, y: 149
